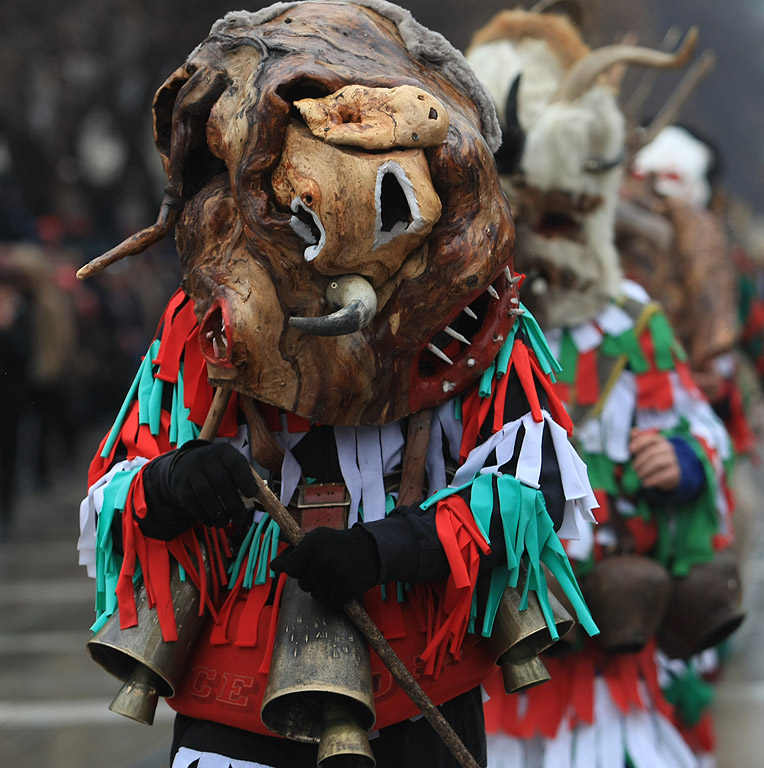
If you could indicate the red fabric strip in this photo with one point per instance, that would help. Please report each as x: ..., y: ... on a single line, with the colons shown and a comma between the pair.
x: 523, y: 367
x: 587, y: 378
x: 174, y: 335
x: 266, y: 663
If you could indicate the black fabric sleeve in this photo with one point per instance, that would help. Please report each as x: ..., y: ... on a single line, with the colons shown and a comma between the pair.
x: 407, y: 540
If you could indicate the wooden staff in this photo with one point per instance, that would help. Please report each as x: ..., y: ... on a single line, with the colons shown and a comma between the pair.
x: 355, y: 611
x: 374, y: 637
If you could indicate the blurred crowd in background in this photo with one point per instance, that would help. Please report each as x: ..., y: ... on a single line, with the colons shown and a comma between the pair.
x: 67, y: 348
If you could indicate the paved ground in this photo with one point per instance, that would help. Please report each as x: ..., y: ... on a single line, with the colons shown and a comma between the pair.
x: 54, y: 699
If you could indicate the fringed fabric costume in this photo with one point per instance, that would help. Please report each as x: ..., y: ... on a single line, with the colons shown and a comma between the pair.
x: 508, y: 435
x: 604, y: 710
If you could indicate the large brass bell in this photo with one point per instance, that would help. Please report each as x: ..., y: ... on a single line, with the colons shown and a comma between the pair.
x: 627, y: 596
x: 319, y: 686
x: 148, y: 666
x: 704, y: 608
x: 519, y: 636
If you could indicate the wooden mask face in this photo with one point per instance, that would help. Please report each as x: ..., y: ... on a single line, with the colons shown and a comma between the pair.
x: 344, y: 211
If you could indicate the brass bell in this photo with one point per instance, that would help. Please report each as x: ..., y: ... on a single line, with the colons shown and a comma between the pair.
x: 704, y: 608
x: 148, y: 666
x: 519, y: 636
x: 627, y: 596
x: 319, y: 686
x: 521, y: 675
x: 343, y: 740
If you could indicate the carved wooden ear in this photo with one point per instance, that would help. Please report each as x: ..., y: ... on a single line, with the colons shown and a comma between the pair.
x: 189, y: 163
x: 164, y: 101
x: 181, y: 109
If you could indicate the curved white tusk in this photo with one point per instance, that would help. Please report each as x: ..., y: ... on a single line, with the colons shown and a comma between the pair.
x: 356, y: 303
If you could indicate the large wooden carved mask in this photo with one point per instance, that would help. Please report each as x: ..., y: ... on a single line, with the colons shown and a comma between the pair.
x: 343, y: 234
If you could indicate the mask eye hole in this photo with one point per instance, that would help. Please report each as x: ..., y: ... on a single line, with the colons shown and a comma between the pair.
x: 393, y: 203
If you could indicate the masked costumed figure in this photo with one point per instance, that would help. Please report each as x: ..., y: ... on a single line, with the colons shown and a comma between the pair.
x: 655, y: 450
x: 347, y: 274
x: 669, y: 242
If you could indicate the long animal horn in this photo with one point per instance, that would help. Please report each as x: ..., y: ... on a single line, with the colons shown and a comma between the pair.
x: 583, y: 73
x: 357, y: 302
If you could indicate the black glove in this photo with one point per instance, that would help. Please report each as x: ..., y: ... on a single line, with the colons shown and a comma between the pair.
x: 333, y: 565
x: 200, y: 482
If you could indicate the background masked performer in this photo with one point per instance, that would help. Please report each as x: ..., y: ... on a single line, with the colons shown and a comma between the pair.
x: 655, y: 450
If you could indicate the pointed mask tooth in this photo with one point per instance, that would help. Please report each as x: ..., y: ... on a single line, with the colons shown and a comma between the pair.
x: 439, y: 353
x: 493, y: 292
x: 468, y: 311
x: 516, y: 279
x: 210, y: 334
x: 224, y: 342
x: 508, y: 274
x: 456, y: 335
x: 517, y: 312
x: 215, y: 347
x: 514, y: 301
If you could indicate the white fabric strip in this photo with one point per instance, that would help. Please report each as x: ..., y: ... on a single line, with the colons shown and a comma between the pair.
x: 369, y: 455
x: 344, y: 437
x: 634, y: 291
x: 186, y: 757
x: 614, y: 321
x: 586, y: 337
x: 529, y: 461
x: 291, y: 471
x: 391, y: 438
x: 609, y: 743
x: 91, y: 507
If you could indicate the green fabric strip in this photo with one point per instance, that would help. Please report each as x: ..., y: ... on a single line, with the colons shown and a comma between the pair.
x: 499, y: 581
x: 663, y: 341
x: 108, y: 562
x: 690, y: 694
x: 546, y: 359
x: 486, y: 381
x: 187, y: 430
x: 502, y: 359
x: 146, y: 384
x: 686, y: 531
x: 443, y: 493
x: 530, y: 540
x: 481, y: 503
x: 568, y: 358
x: 120, y: 420
x: 601, y: 471
x: 626, y: 343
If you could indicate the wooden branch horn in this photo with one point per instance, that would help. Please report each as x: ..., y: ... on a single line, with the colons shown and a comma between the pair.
x: 584, y: 72
x: 194, y: 102
x: 669, y: 112
x: 641, y: 93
